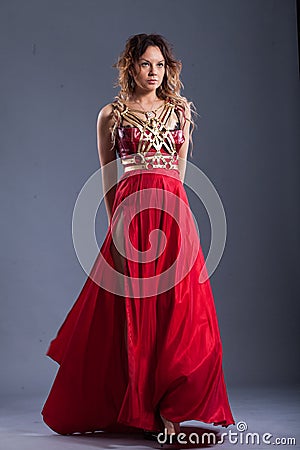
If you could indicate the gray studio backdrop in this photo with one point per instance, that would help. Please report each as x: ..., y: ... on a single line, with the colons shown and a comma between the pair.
x: 240, y: 68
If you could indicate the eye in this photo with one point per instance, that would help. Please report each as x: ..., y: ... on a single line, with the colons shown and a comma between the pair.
x: 144, y: 64
x: 160, y: 64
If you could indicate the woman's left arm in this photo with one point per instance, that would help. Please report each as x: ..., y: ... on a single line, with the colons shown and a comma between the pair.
x: 185, y: 146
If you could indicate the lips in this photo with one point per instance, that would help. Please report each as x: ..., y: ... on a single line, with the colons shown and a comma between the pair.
x: 152, y: 81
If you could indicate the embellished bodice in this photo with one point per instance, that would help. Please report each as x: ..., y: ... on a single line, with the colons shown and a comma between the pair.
x: 131, y: 140
x: 148, y: 137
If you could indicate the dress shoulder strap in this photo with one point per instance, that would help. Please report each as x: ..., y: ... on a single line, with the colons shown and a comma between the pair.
x: 181, y: 114
x: 117, y: 108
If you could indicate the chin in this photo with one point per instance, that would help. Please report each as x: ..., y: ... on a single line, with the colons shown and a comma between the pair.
x: 152, y: 87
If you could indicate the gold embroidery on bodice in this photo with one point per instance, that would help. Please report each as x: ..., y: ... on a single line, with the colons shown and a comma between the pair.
x: 154, y: 132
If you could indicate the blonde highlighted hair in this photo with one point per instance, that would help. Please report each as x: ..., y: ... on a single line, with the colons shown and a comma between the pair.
x: 168, y: 90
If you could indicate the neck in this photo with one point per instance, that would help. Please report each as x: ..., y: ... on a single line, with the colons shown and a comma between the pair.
x: 145, y: 98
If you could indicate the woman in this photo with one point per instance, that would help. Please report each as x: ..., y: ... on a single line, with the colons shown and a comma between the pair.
x: 146, y: 353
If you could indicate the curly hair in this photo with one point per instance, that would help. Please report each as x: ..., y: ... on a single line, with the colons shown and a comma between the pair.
x: 171, y: 85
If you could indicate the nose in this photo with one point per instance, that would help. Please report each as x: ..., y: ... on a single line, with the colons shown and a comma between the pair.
x: 152, y: 70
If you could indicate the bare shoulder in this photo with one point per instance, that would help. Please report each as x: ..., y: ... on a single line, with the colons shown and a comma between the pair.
x: 105, y: 114
x: 187, y: 108
x: 105, y: 122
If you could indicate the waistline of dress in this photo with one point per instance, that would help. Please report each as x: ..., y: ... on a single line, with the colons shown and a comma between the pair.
x: 140, y: 161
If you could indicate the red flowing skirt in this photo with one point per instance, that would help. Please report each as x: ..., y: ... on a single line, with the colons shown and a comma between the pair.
x: 142, y: 337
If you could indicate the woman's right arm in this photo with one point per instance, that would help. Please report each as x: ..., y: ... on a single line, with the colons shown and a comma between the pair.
x: 107, y: 157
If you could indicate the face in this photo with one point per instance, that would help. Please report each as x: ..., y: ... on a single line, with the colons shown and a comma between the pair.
x: 149, y: 70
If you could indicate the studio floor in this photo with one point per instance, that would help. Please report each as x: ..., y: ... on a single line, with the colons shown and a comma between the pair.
x: 264, y: 417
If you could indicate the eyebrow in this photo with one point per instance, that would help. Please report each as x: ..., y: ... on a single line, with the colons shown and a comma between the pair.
x: 143, y: 59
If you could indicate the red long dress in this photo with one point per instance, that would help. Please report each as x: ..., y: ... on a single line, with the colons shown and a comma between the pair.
x: 155, y: 347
